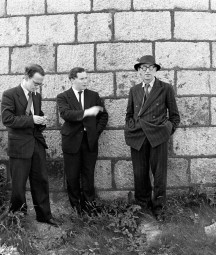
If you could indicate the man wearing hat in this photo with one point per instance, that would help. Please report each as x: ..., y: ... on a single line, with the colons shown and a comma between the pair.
x: 152, y: 117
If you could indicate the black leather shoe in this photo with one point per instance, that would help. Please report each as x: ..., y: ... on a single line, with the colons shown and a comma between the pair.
x: 51, y: 222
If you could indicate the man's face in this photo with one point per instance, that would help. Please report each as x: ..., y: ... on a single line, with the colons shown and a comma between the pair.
x: 33, y: 83
x: 80, y: 82
x: 147, y: 72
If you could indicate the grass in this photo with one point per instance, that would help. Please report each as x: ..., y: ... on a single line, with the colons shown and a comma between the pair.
x: 115, y: 230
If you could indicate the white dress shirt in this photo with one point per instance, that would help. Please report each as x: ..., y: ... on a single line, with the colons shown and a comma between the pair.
x: 151, y: 85
x: 77, y: 96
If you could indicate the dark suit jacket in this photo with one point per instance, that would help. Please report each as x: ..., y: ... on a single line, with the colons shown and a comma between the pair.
x: 72, y: 113
x: 157, y: 119
x: 22, y: 131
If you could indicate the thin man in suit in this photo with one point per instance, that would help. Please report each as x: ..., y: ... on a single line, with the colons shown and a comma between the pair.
x: 85, y: 118
x: 22, y: 115
x: 152, y: 117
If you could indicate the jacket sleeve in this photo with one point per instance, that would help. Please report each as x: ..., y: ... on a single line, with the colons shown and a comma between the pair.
x: 9, y: 117
x: 102, y: 117
x: 174, y: 116
x: 68, y: 114
x: 130, y: 122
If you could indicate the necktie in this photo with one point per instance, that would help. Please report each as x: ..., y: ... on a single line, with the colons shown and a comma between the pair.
x: 80, y: 101
x: 146, y: 91
x: 28, y: 109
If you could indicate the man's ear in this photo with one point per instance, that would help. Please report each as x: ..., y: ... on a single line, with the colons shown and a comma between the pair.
x: 26, y: 77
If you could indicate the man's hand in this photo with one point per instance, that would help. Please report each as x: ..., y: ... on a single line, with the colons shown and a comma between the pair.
x: 40, y: 120
x: 93, y: 111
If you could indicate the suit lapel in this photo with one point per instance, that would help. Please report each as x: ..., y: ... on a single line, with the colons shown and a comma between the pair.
x: 22, y: 97
x: 86, y: 99
x: 139, y: 94
x: 156, y: 90
x: 73, y: 99
x: 35, y: 99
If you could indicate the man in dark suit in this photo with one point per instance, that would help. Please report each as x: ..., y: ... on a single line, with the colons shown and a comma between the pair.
x: 152, y: 117
x: 85, y: 118
x: 22, y: 115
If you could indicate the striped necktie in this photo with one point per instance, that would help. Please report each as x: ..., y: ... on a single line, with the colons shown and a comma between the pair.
x: 80, y: 101
x: 146, y: 91
x: 28, y: 109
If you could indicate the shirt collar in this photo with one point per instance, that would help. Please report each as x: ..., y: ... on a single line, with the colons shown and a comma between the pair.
x: 150, y: 83
x: 76, y: 91
x: 24, y: 89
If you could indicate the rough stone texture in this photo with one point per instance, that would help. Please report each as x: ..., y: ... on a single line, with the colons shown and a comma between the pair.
x: 9, y: 81
x: 117, y: 111
x: 4, y: 58
x: 3, y: 145
x: 123, y: 175
x: 55, y: 171
x: 112, y: 144
x: 120, y: 55
x: 40, y: 54
x: 213, y: 5
x: 203, y: 170
x: 50, y: 110
x: 51, y: 29
x: 20, y: 7
x: 177, y: 175
x: 195, y: 141
x: 126, y: 80
x: 193, y: 110
x: 142, y: 26
x: 69, y: 56
x: 53, y: 140
x: 212, y: 78
x: 213, y: 110
x: 167, y: 4
x: 94, y: 27
x: 113, y: 195
x: 193, y: 82
x: 200, y: 21
x: 55, y: 84
x: 12, y: 31
x: 182, y: 54
x: 103, y: 177
x: 99, y: 5
x: 2, y: 8
x: 214, y: 54
x: 56, y: 6
x: 102, y: 83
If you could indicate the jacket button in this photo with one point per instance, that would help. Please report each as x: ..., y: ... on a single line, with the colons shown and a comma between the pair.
x: 153, y: 117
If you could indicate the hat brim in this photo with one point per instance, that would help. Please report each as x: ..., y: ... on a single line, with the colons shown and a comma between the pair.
x: 136, y: 66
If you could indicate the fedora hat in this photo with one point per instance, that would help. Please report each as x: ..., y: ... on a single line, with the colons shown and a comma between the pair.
x: 147, y: 59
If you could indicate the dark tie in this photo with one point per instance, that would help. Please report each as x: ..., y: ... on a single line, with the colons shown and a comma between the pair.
x: 28, y: 109
x: 80, y: 93
x: 146, y: 91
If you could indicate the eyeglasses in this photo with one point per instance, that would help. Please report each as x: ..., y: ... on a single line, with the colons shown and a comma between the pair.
x: 37, y: 84
x: 144, y: 68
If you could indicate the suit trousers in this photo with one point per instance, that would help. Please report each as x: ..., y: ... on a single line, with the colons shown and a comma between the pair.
x: 79, y: 170
x: 35, y: 169
x: 143, y: 160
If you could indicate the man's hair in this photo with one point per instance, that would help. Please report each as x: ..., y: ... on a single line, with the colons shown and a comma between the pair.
x: 31, y: 69
x: 74, y: 71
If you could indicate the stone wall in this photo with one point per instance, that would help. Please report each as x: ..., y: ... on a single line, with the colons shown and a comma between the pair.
x: 106, y: 37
